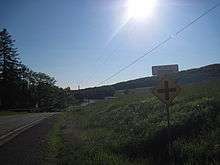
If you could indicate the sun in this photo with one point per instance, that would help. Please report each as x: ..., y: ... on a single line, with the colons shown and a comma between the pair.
x: 140, y: 9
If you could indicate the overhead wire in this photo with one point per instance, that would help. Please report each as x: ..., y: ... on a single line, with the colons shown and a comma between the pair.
x: 161, y: 43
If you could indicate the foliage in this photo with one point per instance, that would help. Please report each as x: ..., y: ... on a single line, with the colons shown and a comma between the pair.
x: 133, y: 129
x: 9, y: 68
x: 8, y: 113
x: 54, y: 142
x: 20, y: 87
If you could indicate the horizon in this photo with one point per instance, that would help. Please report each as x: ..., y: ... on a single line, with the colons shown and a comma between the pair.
x: 149, y: 76
x: 83, y: 42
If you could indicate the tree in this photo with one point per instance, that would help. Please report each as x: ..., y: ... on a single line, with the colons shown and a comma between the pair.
x: 20, y: 87
x: 9, y: 69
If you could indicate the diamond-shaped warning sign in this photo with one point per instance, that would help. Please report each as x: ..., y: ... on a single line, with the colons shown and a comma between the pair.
x: 167, y: 90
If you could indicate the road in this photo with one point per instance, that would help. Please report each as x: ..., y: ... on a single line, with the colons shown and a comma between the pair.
x: 28, y: 132
x: 9, y: 123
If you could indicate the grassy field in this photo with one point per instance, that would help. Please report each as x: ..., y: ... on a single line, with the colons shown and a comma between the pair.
x: 132, y: 129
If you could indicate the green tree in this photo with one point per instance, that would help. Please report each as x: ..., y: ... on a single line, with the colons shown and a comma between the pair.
x: 9, y: 69
x: 20, y: 87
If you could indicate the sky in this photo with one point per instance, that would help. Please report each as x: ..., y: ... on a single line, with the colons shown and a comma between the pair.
x: 82, y: 42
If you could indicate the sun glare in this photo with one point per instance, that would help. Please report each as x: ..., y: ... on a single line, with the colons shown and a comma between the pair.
x: 140, y: 9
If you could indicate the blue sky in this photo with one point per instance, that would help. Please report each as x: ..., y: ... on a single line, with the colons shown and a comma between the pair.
x: 76, y: 41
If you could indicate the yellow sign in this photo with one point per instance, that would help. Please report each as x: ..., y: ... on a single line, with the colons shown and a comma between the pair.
x: 167, y: 90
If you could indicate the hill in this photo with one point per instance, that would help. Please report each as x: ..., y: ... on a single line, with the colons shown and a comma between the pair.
x: 191, y: 76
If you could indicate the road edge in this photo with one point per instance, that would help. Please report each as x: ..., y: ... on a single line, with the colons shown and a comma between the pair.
x: 12, y: 134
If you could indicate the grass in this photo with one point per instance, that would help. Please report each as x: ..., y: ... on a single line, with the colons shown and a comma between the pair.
x: 132, y: 129
x: 9, y: 113
x: 54, y: 142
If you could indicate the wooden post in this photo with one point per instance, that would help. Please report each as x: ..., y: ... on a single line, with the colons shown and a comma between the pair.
x: 169, y: 131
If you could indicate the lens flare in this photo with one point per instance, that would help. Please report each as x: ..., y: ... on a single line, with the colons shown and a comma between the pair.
x: 140, y: 9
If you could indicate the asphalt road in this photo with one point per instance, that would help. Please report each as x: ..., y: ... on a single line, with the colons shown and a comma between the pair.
x: 27, y: 147
x: 10, y: 123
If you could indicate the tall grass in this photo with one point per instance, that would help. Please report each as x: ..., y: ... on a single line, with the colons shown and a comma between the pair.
x: 133, y: 129
x: 55, y: 143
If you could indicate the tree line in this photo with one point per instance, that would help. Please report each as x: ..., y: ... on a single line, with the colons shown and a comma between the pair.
x: 21, y: 87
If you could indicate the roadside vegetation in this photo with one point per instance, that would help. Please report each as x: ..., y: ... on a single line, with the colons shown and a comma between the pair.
x: 132, y: 129
x: 9, y: 113
x: 54, y: 142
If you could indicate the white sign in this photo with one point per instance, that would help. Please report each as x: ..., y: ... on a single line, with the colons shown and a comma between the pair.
x: 161, y: 70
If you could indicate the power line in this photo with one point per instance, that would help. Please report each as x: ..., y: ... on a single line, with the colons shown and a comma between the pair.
x: 161, y: 43
x: 117, y: 48
x: 114, y: 52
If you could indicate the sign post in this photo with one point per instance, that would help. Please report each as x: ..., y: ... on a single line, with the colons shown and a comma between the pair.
x: 168, y: 129
x: 166, y: 91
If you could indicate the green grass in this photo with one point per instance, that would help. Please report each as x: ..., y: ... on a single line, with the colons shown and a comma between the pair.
x: 54, y: 142
x: 132, y: 129
x: 8, y: 113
